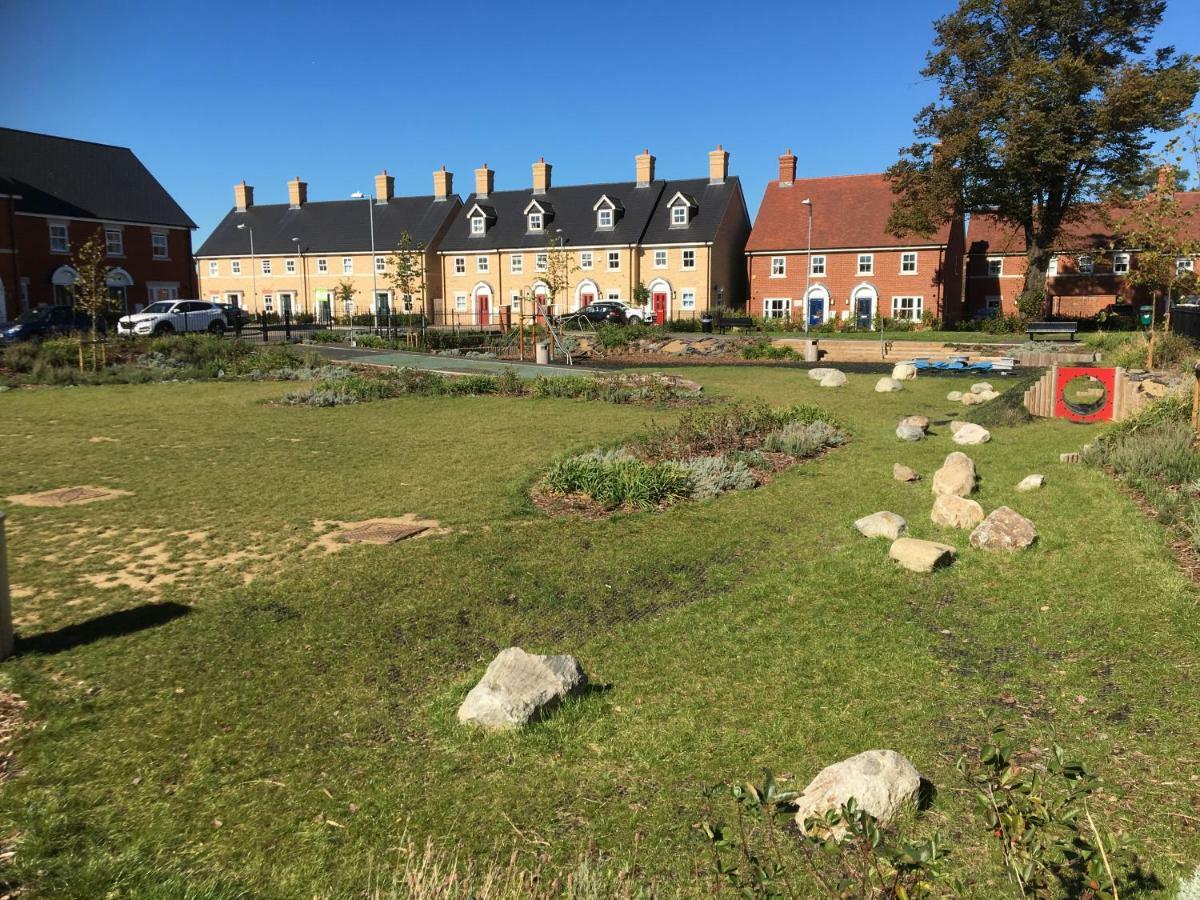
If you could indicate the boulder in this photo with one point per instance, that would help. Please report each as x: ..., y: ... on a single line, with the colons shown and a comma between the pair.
x: 1031, y: 482
x: 956, y: 476
x: 904, y: 371
x: 887, y: 386
x: 988, y: 395
x: 971, y: 399
x: 921, y: 422
x: 971, y: 434
x: 955, y: 396
x: 980, y: 387
x: 882, y: 782
x: 882, y: 524
x: 921, y: 556
x: 902, y: 472
x: 835, y: 378
x: 519, y: 687
x: 956, y: 512
x: 909, y: 432
x: 955, y: 425
x: 1004, y: 529
x: 819, y: 373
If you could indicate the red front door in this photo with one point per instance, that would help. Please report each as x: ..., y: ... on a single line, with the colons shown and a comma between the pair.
x: 484, y: 317
x: 660, y: 307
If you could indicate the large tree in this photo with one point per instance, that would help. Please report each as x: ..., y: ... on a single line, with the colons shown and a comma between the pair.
x: 1043, y: 107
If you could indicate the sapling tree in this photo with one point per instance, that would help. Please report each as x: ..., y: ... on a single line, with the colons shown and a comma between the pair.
x: 91, y: 279
x: 407, y: 276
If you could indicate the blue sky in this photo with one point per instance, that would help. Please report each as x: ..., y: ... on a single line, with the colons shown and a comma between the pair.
x: 209, y: 93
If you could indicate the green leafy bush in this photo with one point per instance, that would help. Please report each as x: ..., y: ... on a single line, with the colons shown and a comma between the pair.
x: 473, y: 384
x: 371, y: 342
x: 767, y: 350
x: 326, y: 336
x: 1170, y: 351
x: 617, y: 478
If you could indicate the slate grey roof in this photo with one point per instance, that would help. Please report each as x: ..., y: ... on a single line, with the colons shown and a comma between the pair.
x: 642, y: 215
x: 64, y: 177
x: 329, y: 226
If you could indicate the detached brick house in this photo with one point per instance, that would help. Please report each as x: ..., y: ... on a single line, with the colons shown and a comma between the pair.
x: 302, y: 250
x: 56, y: 193
x: 683, y: 239
x: 856, y: 270
x: 1088, y: 271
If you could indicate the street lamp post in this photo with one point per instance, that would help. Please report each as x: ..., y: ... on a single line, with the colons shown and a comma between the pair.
x: 359, y: 195
x: 303, y: 273
x: 807, y: 201
x: 253, y: 276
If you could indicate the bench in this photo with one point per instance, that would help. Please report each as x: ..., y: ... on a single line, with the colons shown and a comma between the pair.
x: 1067, y: 328
x: 734, y: 322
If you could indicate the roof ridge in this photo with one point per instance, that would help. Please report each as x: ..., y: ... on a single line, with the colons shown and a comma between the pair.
x: 60, y: 137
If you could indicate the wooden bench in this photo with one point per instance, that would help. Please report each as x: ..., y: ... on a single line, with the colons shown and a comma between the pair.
x: 1067, y: 328
x: 734, y: 322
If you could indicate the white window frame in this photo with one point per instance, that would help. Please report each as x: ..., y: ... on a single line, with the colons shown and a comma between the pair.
x: 687, y: 260
x: 679, y: 215
x: 818, y: 265
x: 536, y: 223
x: 516, y: 263
x: 322, y: 264
x: 1052, y: 269
x: 998, y: 263
x: 779, y: 267
x: 268, y: 303
x: 478, y: 225
x: 612, y: 261
x: 114, y: 247
x: 687, y: 298
x: 264, y: 266
x: 482, y: 264
x: 1085, y: 264
x: 347, y: 265
x: 60, y: 238
x: 660, y: 259
x: 460, y: 265
x: 587, y: 260
x: 289, y: 266
x: 381, y: 265
x: 915, y: 308
x: 235, y: 266
x: 869, y: 267
x: 1120, y: 263
x: 604, y: 218
x: 460, y: 302
x: 993, y: 301
x: 776, y: 307
x: 1184, y: 264
x: 214, y: 268
x: 541, y: 262
x: 158, y: 239
x: 908, y: 263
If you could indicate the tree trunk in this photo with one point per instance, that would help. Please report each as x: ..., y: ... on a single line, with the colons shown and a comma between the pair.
x: 1037, y: 264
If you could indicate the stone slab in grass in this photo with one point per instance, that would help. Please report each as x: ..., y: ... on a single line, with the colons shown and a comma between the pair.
x: 380, y: 533
x: 921, y: 556
x: 519, y: 687
x: 71, y: 496
x: 956, y: 512
x: 969, y: 435
x: 1031, y: 482
x: 901, y: 472
x: 1004, y: 530
x: 882, y: 524
x: 883, y: 782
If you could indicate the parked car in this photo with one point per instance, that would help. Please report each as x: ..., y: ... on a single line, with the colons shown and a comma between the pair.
x: 47, y: 321
x: 175, y: 317
x: 616, y: 312
x: 235, y: 316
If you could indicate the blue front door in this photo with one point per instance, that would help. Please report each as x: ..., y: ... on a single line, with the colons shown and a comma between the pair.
x: 862, y: 313
x: 816, y: 310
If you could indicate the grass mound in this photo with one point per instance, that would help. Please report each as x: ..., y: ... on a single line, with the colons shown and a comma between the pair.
x: 1006, y: 410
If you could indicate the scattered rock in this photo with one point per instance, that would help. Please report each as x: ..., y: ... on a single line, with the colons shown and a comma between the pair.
x: 980, y: 387
x: 971, y: 434
x: 921, y: 422
x: 956, y: 512
x: 956, y: 476
x: 955, y: 425
x: 674, y: 347
x: 835, y: 378
x: 1068, y: 457
x: 819, y: 373
x: 902, y: 472
x: 887, y: 386
x: 955, y: 396
x: 1004, y: 529
x: 882, y: 524
x: 921, y: 556
x: 909, y: 432
x: 1031, y: 482
x: 904, y: 371
x: 519, y: 687
x: 882, y: 782
x: 988, y: 395
x: 971, y: 399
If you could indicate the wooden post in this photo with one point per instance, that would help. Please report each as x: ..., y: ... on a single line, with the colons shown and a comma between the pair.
x: 6, y: 626
x: 1196, y: 399
x: 1153, y: 316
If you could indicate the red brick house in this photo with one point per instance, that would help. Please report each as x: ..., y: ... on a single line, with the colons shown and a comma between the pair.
x: 1087, y: 274
x: 55, y: 193
x: 856, y: 269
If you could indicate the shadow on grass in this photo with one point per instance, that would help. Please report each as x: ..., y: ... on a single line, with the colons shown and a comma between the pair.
x: 110, y: 625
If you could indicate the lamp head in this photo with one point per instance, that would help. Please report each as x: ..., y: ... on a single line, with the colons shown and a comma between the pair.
x: 358, y: 195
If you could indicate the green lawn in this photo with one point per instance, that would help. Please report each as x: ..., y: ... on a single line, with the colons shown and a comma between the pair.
x: 310, y: 711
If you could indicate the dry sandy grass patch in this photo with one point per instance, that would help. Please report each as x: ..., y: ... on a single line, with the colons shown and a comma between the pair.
x: 339, y: 535
x: 70, y: 496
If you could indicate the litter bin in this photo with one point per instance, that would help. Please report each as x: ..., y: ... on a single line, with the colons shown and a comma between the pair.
x: 543, y: 353
x: 1146, y: 315
x: 706, y: 321
x: 811, y: 354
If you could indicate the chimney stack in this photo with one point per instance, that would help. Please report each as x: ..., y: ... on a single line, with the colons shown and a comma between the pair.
x: 485, y: 180
x: 443, y: 183
x: 1166, y: 179
x: 541, y: 176
x: 718, y: 165
x: 385, y: 187
x: 644, y: 163
x: 787, y: 168
x: 297, y: 193
x: 243, y: 196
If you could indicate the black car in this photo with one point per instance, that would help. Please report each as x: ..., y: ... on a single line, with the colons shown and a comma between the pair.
x: 600, y: 311
x: 235, y: 316
x: 47, y: 321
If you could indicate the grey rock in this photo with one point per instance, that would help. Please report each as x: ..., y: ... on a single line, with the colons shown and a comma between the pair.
x: 909, y: 432
x: 921, y: 556
x: 956, y: 512
x: 834, y: 379
x: 882, y: 782
x: 819, y: 372
x: 1005, y: 529
x: 904, y: 371
x: 882, y: 524
x: 955, y: 396
x: 980, y: 387
x: 1031, y: 482
x: 971, y: 434
x: 902, y: 472
x: 956, y: 476
x: 921, y: 422
x: 888, y: 386
x: 519, y: 687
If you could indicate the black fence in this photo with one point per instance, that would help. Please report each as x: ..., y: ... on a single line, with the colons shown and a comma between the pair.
x: 1185, y: 320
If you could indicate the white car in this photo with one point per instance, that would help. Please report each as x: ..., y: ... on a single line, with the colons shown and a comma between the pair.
x: 175, y: 317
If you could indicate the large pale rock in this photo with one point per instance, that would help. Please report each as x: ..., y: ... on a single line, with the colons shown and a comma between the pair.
x: 819, y: 372
x: 519, y: 687
x: 888, y: 385
x: 921, y: 556
x: 955, y: 425
x: 955, y: 396
x: 835, y: 378
x: 909, y: 432
x: 882, y: 524
x: 971, y: 399
x: 980, y: 387
x: 1004, y: 529
x: 882, y: 782
x: 956, y: 512
x: 956, y: 476
x: 988, y: 395
x: 921, y: 422
x: 902, y: 472
x: 971, y: 434
x: 1031, y: 482
x: 904, y: 371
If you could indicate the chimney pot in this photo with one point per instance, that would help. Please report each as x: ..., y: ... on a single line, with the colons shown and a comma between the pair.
x: 485, y: 180
x: 644, y: 164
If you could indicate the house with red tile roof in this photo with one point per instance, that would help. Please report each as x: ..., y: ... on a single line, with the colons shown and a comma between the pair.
x: 852, y: 269
x: 1088, y: 272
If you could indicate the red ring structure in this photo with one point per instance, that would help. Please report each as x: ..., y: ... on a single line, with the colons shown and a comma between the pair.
x: 1106, y: 377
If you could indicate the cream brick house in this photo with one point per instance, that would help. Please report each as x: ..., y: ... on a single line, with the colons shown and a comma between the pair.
x: 682, y: 240
x: 302, y: 250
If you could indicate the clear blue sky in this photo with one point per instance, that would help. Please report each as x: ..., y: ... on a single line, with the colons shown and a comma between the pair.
x: 209, y: 93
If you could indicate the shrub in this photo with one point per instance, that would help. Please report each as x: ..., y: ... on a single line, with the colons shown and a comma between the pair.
x: 714, y: 475
x: 767, y: 350
x: 1163, y: 454
x: 473, y: 384
x: 371, y: 341
x: 723, y: 429
x: 803, y: 439
x: 1030, y: 304
x: 325, y: 336
x: 343, y: 391
x: 617, y: 478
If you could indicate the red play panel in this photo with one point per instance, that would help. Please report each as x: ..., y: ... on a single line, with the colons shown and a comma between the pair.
x: 1075, y: 413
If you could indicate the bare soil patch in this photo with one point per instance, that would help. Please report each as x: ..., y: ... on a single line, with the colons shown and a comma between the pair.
x: 373, y: 531
x: 72, y: 496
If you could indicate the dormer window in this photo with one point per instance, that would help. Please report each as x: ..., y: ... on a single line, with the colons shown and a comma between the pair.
x: 682, y: 207
x: 478, y: 225
x: 535, y: 221
x: 537, y: 212
x: 607, y: 211
x: 604, y: 218
x: 679, y: 215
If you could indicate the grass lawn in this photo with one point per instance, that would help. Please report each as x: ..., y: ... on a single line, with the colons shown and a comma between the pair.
x: 283, y: 736
x: 945, y: 337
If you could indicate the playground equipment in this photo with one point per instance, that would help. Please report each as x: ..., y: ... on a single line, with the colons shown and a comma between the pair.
x: 1083, y: 394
